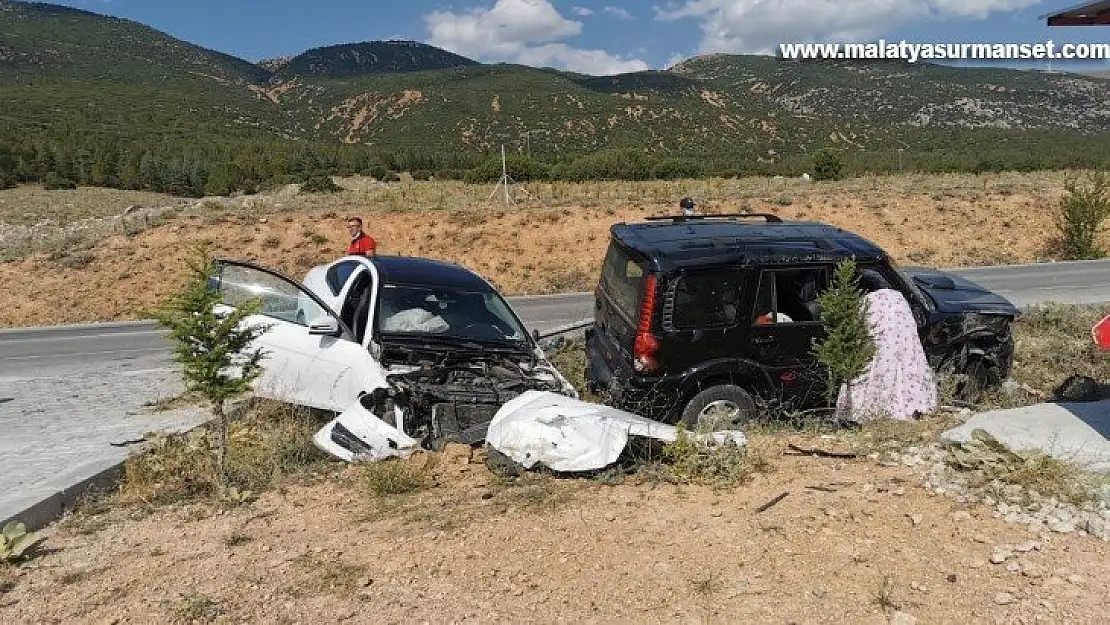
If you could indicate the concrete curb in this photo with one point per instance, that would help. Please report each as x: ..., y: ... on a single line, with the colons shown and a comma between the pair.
x: 49, y: 502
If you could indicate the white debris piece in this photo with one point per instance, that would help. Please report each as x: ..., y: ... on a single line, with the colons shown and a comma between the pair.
x: 364, y: 437
x: 566, y: 434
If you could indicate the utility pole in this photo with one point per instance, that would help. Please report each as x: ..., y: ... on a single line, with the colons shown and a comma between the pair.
x: 504, y: 174
x: 504, y: 181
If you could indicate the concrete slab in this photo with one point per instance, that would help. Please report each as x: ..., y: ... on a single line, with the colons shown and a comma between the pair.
x: 1071, y: 432
x: 45, y: 497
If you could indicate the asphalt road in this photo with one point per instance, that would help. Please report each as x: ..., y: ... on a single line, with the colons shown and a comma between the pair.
x: 141, y: 345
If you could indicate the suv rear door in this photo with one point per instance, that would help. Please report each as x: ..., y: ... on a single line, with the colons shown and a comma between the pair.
x: 785, y: 320
x: 701, y: 309
x: 617, y: 305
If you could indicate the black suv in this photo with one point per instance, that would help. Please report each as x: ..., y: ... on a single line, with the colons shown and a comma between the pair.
x: 702, y: 318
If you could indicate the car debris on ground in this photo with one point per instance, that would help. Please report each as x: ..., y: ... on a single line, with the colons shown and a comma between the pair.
x: 570, y: 435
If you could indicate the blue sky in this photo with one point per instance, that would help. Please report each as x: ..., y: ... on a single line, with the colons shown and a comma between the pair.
x: 594, y: 36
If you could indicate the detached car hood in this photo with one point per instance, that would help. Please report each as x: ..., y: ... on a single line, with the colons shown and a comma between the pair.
x: 954, y: 294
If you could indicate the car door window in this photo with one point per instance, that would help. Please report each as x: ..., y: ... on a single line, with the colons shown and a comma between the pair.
x: 789, y: 296
x: 356, y: 306
x: 705, y: 300
x: 338, y: 274
x: 279, y: 298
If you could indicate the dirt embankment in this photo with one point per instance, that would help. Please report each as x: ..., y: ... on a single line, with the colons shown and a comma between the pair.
x: 852, y: 542
x: 551, y: 241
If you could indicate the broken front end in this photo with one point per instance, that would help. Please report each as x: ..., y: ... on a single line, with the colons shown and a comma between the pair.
x: 975, y: 347
x: 431, y: 405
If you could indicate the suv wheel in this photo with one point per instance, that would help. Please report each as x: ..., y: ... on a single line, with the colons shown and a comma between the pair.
x: 722, y: 407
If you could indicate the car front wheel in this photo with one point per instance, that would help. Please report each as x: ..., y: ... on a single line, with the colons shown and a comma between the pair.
x: 721, y: 407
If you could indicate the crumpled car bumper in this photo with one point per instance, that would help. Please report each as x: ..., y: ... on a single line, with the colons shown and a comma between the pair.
x: 358, y: 435
x: 570, y: 435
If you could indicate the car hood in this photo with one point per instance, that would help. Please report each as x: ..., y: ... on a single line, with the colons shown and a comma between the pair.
x: 955, y: 294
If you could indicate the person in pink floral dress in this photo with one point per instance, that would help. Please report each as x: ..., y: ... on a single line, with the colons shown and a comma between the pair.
x: 898, y: 382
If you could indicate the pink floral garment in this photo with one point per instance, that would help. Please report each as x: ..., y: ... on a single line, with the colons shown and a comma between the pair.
x: 898, y: 381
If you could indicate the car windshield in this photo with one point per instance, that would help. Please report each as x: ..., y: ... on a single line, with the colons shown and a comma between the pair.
x: 445, y: 312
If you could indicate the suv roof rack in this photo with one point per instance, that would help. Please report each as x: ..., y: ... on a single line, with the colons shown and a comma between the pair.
x: 771, y: 218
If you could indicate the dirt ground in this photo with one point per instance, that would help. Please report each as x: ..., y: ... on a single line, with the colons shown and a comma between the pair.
x: 552, y: 240
x: 869, y: 542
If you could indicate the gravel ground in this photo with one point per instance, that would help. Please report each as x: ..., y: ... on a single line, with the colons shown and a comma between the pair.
x: 890, y: 537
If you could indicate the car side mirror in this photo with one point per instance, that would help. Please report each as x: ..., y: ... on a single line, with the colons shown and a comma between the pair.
x: 536, y: 335
x: 326, y: 325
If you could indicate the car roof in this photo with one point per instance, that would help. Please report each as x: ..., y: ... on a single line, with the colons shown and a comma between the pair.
x: 681, y: 242
x: 427, y: 272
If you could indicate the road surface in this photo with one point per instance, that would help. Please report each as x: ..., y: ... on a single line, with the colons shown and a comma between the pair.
x: 140, y: 345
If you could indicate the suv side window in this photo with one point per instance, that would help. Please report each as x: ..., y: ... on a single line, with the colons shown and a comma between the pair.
x: 789, y: 295
x: 703, y: 300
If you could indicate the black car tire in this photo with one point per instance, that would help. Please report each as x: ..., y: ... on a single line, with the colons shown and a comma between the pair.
x: 725, y: 394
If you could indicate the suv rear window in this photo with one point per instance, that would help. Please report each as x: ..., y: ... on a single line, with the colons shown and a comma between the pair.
x: 621, y: 280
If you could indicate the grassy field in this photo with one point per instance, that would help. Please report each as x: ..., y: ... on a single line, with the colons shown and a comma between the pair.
x: 93, y: 262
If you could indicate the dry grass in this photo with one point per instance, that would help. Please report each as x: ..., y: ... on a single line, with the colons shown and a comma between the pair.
x: 270, y: 443
x: 552, y: 241
x: 1054, y: 341
x: 395, y: 477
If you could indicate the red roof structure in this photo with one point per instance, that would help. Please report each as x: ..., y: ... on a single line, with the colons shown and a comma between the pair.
x: 1086, y: 14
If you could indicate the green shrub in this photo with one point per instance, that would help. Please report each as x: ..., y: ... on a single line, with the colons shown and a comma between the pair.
x: 421, y: 174
x: 520, y: 169
x: 378, y: 172
x: 1080, y: 215
x: 827, y: 165
x: 55, y: 182
x: 677, y: 169
x: 15, y: 542
x: 449, y: 174
x: 320, y: 183
x: 608, y: 165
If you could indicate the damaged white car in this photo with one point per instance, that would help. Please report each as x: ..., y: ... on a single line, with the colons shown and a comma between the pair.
x: 412, y: 352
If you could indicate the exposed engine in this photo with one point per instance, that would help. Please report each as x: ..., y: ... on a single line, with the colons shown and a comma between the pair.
x: 441, y: 404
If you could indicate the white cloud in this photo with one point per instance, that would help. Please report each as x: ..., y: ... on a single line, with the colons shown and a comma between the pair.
x: 531, y: 32
x: 582, y: 11
x: 618, y: 12
x: 758, y: 26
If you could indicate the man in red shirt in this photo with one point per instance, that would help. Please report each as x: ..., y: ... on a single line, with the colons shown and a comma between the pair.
x: 361, y: 244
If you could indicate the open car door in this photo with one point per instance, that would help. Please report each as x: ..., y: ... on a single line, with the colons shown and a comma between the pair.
x: 310, y: 355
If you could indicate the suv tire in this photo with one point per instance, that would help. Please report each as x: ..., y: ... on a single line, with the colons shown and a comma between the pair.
x: 725, y: 398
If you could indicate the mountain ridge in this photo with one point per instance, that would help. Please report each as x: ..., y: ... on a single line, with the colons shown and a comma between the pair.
x: 70, y: 72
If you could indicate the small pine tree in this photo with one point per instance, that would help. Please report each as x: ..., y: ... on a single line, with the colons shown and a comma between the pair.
x: 848, y: 346
x: 213, y: 349
x: 827, y: 165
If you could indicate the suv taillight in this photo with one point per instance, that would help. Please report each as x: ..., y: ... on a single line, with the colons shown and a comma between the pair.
x: 643, y: 350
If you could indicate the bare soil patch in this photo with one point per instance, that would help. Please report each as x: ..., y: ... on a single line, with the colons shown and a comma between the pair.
x: 853, y: 541
x: 553, y: 240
